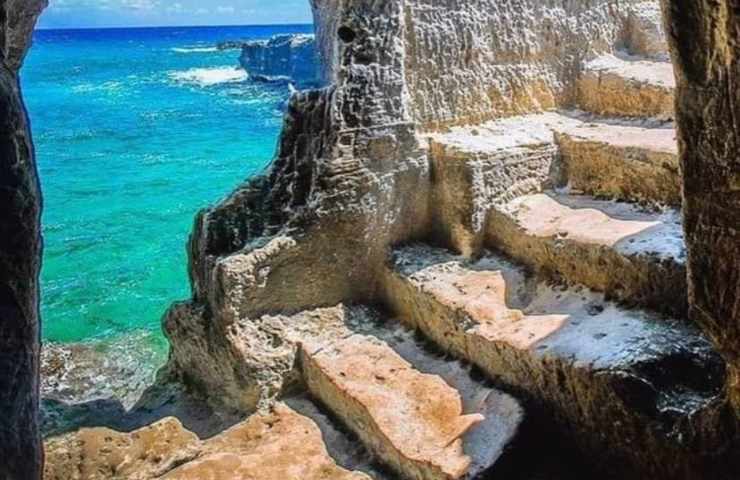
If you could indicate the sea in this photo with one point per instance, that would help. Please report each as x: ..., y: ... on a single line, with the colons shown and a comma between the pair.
x: 135, y: 131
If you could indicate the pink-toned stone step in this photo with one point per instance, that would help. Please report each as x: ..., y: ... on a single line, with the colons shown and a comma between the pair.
x: 413, y: 421
x: 632, y: 254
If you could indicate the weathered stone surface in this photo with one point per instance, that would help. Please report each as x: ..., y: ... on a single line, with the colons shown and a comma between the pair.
x: 283, y: 57
x: 638, y: 392
x: 643, y: 33
x: 460, y: 73
x: 629, y: 87
x: 278, y: 445
x: 101, y: 453
x: 623, y: 162
x: 633, y: 255
x: 335, y: 191
x: 705, y: 50
x: 477, y: 170
x: 20, y: 254
x: 412, y: 421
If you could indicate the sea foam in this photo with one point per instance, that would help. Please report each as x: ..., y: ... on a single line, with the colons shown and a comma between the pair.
x: 195, y: 49
x: 208, y: 77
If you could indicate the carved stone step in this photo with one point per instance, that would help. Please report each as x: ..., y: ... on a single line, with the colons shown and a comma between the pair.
x: 628, y: 87
x: 477, y: 169
x: 625, y: 162
x: 632, y: 255
x: 279, y: 445
x: 421, y: 415
x: 625, y: 386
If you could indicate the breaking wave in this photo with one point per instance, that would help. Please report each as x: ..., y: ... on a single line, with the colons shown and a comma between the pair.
x: 208, y: 77
x: 195, y: 49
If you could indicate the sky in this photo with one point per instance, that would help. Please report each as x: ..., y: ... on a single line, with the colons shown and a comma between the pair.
x: 125, y: 13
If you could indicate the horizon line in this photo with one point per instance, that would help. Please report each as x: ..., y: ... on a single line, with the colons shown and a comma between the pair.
x: 123, y: 27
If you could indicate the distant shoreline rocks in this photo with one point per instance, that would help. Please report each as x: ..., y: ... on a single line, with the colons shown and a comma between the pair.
x: 289, y: 58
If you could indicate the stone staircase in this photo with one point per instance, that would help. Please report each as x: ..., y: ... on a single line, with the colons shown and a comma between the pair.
x: 568, y: 285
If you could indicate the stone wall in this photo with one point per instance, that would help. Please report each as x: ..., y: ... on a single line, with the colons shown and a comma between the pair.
x: 469, y: 61
x: 705, y: 47
x: 20, y: 255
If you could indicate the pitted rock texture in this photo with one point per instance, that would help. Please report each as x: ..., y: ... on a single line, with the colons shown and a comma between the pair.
x: 633, y: 255
x: 470, y: 61
x: 20, y: 254
x: 644, y: 34
x: 283, y: 57
x: 706, y: 53
x: 407, y: 143
x: 348, y: 171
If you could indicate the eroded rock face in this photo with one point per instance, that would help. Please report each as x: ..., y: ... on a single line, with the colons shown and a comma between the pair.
x: 469, y: 61
x: 706, y: 53
x: 20, y: 254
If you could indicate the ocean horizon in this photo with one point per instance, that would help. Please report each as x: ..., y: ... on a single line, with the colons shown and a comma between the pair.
x: 136, y: 129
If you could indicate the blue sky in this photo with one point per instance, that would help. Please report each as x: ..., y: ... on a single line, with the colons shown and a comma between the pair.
x: 118, y: 13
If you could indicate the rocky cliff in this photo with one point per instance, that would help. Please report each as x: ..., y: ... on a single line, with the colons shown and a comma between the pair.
x: 283, y: 57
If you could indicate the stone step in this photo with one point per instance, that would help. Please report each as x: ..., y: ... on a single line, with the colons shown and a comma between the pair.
x: 281, y: 444
x: 627, y: 87
x: 633, y: 255
x: 624, y: 386
x: 625, y: 162
x: 423, y: 416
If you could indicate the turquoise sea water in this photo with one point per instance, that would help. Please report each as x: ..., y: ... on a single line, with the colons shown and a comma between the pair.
x: 135, y: 130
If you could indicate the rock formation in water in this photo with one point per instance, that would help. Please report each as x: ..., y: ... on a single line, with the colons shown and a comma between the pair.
x: 20, y: 254
x: 283, y: 57
x: 470, y: 247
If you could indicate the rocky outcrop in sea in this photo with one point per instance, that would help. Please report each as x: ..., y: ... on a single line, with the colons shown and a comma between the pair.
x: 289, y: 58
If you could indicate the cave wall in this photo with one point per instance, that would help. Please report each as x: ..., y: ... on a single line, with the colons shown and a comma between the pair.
x: 704, y: 37
x: 20, y: 255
